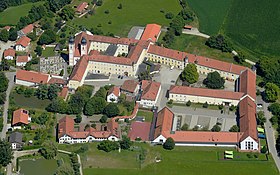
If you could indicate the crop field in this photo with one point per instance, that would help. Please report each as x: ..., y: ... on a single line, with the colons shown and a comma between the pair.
x: 133, y: 13
x: 181, y: 160
x: 211, y: 14
x: 254, y: 25
x: 12, y: 15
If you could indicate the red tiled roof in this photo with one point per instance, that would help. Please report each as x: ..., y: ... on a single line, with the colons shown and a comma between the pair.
x: 150, y: 90
x: 129, y: 86
x: 20, y: 116
x: 248, y: 121
x: 31, y: 76
x: 24, y: 41
x: 54, y: 80
x: 247, y: 83
x: 139, y: 130
x: 7, y: 28
x: 65, y: 126
x: 10, y: 52
x: 27, y: 29
x: 115, y: 90
x: 151, y: 32
x: 169, y: 53
x: 22, y: 59
x: 110, y: 59
x: 164, y: 122
x: 79, y: 69
x: 63, y: 93
x: 81, y: 7
x: 216, y: 64
x: 204, y: 137
x: 205, y: 92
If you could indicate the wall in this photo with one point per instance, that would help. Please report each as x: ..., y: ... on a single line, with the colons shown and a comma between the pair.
x: 109, y: 68
x: 24, y: 83
x: 164, y: 60
x: 20, y: 48
x: 249, y: 140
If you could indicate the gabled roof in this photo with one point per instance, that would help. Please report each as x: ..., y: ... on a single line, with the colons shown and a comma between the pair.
x: 9, y: 52
x: 31, y: 76
x: 22, y: 59
x: 63, y: 93
x: 129, y: 86
x: 114, y: 90
x: 248, y: 121
x: 65, y: 126
x: 214, y: 93
x: 164, y: 122
x: 15, y: 137
x: 150, y: 90
x: 81, y: 7
x: 20, y: 116
x: 79, y: 69
x: 139, y: 130
x: 55, y: 80
x: 247, y: 83
x: 216, y: 64
x: 27, y: 29
x: 24, y: 41
x: 169, y: 53
x: 151, y: 32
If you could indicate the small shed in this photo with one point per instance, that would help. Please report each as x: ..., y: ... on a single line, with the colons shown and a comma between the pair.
x: 16, y: 140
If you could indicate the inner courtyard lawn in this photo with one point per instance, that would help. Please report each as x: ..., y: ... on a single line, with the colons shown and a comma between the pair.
x: 133, y: 13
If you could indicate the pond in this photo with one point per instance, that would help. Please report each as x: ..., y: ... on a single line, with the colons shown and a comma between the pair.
x: 38, y: 166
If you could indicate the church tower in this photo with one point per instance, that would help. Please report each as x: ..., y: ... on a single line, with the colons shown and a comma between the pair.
x: 83, y: 47
x: 71, y: 49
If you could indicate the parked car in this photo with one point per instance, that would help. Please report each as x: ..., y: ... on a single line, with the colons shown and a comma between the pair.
x: 259, y: 105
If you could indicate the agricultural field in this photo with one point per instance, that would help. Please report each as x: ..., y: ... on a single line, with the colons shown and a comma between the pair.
x: 210, y: 13
x: 254, y: 25
x: 196, y: 45
x: 178, y: 161
x: 133, y: 13
x: 12, y: 15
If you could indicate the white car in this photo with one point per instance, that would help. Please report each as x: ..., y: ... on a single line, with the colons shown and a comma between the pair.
x: 259, y: 105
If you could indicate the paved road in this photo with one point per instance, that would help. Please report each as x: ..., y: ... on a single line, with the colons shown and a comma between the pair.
x: 10, y: 76
x: 270, y: 134
x: 195, y: 31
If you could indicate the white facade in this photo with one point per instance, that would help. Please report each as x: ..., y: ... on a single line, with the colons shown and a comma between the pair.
x: 150, y: 103
x: 249, y: 144
x: 183, y: 98
x: 165, y: 60
x: 14, y: 146
x: 9, y: 58
x: 20, y: 48
x: 25, y: 83
x: 160, y: 139
x: 70, y: 140
x: 112, y: 98
x: 205, y: 70
x: 110, y: 68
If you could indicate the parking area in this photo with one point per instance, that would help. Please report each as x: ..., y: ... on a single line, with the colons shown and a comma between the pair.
x: 204, y: 119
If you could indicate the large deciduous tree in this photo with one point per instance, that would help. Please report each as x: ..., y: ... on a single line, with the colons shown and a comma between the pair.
x: 271, y: 93
x: 214, y: 80
x: 95, y: 105
x: 4, y: 35
x: 190, y: 74
x: 6, y: 153
x: 111, y: 110
x: 49, y: 150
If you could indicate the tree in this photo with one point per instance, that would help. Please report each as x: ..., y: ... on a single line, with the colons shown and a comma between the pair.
x: 108, y: 146
x: 95, y: 105
x: 42, y: 92
x: 58, y: 106
x: 189, y: 103
x: 125, y: 143
x: 271, y: 92
x: 219, y: 42
x: 67, y: 13
x: 269, y: 69
x: 177, y: 24
x: 205, y: 105
x: 47, y: 37
x: 4, y: 35
x: 214, y: 80
x: 3, y: 82
x: 64, y: 169
x: 102, y: 92
x: 216, y: 128
x: 185, y: 127
x: 169, y: 15
x: 103, y: 119
x: 274, y: 120
x: 274, y: 108
x: 6, y: 154
x: 240, y: 58
x: 190, y: 74
x: 99, y: 3
x: 78, y: 118
x: 111, y: 110
x: 169, y: 144
x: 38, y: 50
x: 261, y: 118
x: 120, y: 6
x: 234, y: 128
x: 13, y: 34
x: 49, y: 149
x: 41, y: 119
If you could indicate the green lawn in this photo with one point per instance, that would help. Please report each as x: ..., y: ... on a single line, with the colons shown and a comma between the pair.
x: 133, y: 13
x: 196, y: 45
x: 48, y: 52
x: 181, y: 160
x: 12, y: 15
x: 210, y: 13
x: 31, y: 102
x: 253, y: 26
x: 147, y: 114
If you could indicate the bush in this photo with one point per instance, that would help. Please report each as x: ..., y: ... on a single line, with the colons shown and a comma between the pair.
x: 216, y: 128
x: 106, y: 11
x: 264, y: 149
x: 169, y: 15
x: 108, y: 146
x: 170, y: 102
x: 189, y: 103
x: 221, y: 107
x: 99, y: 3
x: 274, y: 120
x: 103, y: 119
x: 205, y: 105
x: 78, y: 118
x: 169, y: 144
x: 120, y: 6
x: 249, y: 155
x: 232, y: 108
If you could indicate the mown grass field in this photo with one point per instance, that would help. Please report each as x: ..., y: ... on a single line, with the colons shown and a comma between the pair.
x: 196, y: 45
x: 147, y: 114
x: 254, y: 25
x: 133, y: 13
x: 211, y: 14
x: 181, y: 160
x: 12, y: 15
